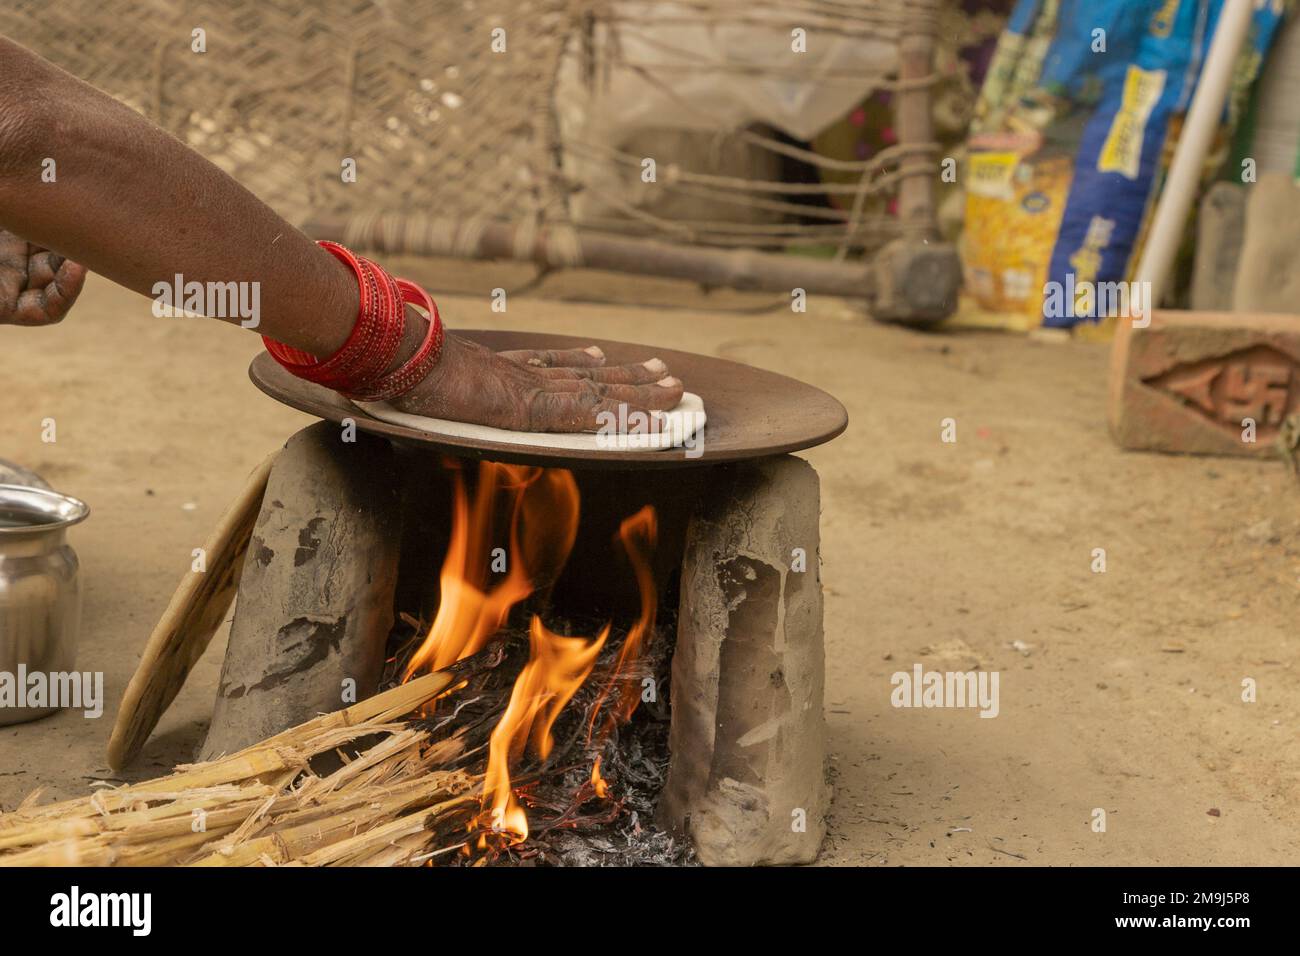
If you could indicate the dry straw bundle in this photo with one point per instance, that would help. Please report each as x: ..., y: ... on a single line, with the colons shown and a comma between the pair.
x: 391, y: 803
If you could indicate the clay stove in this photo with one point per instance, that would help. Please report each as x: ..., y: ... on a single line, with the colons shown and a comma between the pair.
x: 351, y: 534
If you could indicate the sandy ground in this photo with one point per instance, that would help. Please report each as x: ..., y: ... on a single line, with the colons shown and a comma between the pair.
x: 1123, y: 693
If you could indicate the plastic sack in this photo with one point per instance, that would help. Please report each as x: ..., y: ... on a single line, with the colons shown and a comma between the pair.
x: 1074, y: 128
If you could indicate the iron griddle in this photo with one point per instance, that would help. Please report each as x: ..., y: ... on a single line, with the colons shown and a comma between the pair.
x: 752, y: 413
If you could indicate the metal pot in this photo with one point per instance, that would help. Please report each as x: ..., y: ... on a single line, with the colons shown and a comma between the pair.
x: 40, y: 596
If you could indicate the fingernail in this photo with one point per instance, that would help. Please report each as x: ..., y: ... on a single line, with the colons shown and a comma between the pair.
x: 655, y: 365
x: 669, y: 382
x: 594, y: 352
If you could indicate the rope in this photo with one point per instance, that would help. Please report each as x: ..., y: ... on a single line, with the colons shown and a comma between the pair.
x: 423, y: 113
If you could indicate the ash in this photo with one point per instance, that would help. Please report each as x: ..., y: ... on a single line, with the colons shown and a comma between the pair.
x: 569, y: 824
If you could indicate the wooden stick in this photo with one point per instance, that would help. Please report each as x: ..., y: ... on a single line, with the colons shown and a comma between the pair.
x: 185, y: 629
x: 916, y: 211
x: 565, y: 246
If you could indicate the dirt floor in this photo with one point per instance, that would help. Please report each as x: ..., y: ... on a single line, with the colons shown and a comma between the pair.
x: 1119, y: 690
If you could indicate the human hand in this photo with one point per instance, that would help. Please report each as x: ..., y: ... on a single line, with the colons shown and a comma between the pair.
x: 37, y: 286
x: 537, y: 391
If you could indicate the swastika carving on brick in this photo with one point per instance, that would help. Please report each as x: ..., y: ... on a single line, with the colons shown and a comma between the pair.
x: 1257, y: 383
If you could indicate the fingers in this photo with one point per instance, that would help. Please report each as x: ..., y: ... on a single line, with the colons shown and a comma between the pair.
x: 66, y: 286
x: 579, y: 393
x: 639, y: 373
x: 661, y: 396
x: 13, y: 272
x: 473, y: 384
x: 37, y: 286
x: 48, y: 303
x: 583, y: 406
x: 41, y: 268
x: 579, y: 411
x: 557, y: 358
x: 13, y: 250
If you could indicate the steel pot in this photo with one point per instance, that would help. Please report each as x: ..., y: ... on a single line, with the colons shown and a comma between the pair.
x: 40, y: 596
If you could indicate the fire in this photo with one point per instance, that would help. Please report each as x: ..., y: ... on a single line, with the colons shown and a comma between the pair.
x: 598, y: 782
x: 543, y: 508
x: 542, y: 505
x: 556, y: 668
x: 639, y: 533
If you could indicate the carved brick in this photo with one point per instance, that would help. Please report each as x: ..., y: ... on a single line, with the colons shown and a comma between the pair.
x: 1196, y: 381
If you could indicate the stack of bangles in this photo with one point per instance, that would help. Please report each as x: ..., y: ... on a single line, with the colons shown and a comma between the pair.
x: 359, y: 370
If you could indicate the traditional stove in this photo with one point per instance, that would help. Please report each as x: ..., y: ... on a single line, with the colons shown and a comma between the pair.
x: 358, y: 515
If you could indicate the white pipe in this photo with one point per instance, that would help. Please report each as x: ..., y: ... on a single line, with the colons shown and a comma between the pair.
x: 1184, y: 180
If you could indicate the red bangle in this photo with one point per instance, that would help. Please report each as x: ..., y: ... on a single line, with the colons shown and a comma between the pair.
x: 358, y: 368
x: 402, y: 380
x: 373, y: 342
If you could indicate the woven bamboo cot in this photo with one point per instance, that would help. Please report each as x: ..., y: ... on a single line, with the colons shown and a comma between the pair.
x: 451, y: 116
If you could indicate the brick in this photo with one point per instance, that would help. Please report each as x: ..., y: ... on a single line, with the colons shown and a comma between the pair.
x: 746, y: 776
x: 316, y: 593
x: 1186, y: 382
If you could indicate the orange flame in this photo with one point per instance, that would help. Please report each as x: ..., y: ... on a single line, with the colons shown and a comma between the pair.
x: 556, y: 668
x: 598, y: 782
x: 639, y: 534
x: 543, y: 509
x: 543, y: 504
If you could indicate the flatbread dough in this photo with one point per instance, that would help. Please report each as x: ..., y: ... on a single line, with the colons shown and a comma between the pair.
x: 678, y: 427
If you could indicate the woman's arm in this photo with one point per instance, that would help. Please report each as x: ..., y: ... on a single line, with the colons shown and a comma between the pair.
x: 136, y: 205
